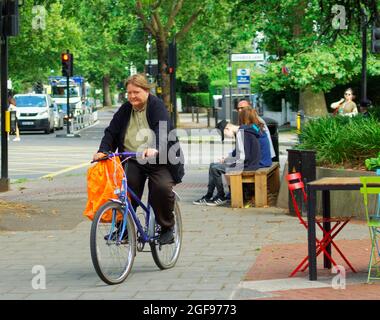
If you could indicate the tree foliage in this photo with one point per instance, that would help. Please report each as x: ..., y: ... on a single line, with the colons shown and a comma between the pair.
x: 36, y: 51
x: 316, y: 54
x: 107, y: 35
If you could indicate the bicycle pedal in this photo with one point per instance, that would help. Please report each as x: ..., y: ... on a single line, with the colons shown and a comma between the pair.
x: 165, y: 243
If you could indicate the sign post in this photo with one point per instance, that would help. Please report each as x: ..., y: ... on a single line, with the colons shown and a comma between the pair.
x: 244, y: 78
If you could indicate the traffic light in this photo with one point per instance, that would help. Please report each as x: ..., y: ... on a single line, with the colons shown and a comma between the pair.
x: 172, y: 57
x: 10, y: 18
x: 67, y: 64
x: 375, y: 48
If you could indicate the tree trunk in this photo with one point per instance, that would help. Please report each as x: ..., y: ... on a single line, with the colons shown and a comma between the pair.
x: 162, y: 54
x: 107, y: 101
x: 166, y: 89
x: 313, y: 104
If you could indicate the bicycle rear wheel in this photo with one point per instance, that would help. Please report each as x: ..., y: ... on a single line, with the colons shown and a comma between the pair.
x: 112, y: 259
x: 166, y: 256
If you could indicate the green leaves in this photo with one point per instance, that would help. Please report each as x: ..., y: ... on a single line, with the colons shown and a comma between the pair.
x: 44, y: 35
x: 342, y: 140
x: 106, y: 36
x: 322, y: 68
x: 373, y: 163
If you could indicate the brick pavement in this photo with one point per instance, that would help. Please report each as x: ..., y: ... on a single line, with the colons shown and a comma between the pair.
x: 351, y: 292
x: 269, y: 275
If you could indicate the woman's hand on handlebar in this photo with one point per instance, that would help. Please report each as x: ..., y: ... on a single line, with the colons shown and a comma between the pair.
x: 149, y: 153
x: 98, y: 156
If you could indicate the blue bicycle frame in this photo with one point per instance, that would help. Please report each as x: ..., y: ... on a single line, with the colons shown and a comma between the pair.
x: 127, y: 206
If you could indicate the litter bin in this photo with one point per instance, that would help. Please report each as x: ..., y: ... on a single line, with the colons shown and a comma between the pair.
x: 273, y: 129
x: 304, y: 162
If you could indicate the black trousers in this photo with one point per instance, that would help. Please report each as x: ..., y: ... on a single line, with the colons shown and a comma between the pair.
x: 160, y: 185
x: 215, y: 172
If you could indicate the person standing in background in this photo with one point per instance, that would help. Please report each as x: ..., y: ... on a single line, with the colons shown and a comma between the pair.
x: 12, y: 107
x: 346, y: 106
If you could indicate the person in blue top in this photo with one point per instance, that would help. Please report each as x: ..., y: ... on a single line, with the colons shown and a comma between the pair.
x: 250, y: 118
x: 245, y: 104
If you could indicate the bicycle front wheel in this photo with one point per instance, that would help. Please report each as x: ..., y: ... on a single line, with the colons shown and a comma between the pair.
x: 112, y: 258
x: 166, y: 256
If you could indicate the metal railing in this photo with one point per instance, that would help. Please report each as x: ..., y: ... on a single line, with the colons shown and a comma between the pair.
x: 82, y: 121
x: 213, y: 111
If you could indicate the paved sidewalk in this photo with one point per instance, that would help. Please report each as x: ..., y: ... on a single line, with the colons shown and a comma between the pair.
x: 217, y: 252
x: 227, y: 253
x: 220, y: 246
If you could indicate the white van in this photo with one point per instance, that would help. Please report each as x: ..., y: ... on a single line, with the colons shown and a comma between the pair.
x: 36, y: 112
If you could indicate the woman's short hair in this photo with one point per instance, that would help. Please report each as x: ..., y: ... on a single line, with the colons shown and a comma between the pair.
x: 138, y: 80
x: 249, y: 117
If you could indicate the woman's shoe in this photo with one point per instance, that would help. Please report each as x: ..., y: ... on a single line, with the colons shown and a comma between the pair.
x: 166, y: 237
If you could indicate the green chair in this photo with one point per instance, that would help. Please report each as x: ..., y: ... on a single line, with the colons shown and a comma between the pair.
x: 373, y: 222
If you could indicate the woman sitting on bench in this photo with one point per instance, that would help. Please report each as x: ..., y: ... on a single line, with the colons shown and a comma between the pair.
x: 246, y: 156
x: 250, y: 118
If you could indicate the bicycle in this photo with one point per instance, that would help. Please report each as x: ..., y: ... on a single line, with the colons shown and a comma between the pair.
x: 112, y: 252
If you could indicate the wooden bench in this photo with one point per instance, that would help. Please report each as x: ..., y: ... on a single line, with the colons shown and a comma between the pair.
x: 263, y: 178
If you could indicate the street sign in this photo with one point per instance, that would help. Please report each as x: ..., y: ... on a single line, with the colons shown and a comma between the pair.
x: 152, y: 62
x: 244, y: 78
x: 247, y: 57
x: 132, y: 70
x: 151, y: 67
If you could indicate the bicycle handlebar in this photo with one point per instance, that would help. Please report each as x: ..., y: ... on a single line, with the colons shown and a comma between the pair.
x: 117, y: 154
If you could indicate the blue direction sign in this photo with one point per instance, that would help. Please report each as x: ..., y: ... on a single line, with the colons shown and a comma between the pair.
x: 243, y: 78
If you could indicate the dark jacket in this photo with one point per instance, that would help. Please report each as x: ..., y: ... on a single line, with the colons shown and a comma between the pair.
x: 156, y: 113
x: 247, y: 153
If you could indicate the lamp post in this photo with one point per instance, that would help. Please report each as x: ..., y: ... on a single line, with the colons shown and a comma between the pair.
x: 364, y: 100
x: 230, y: 81
x: 149, y: 52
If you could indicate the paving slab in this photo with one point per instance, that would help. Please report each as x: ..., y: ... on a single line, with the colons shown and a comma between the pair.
x: 222, y: 249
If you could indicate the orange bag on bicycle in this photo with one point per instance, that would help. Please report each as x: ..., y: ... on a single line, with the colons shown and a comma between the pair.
x: 102, y: 180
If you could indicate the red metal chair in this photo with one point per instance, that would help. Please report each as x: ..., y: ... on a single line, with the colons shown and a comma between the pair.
x: 295, y: 183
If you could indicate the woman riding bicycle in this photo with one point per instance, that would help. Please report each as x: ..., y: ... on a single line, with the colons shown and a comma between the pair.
x: 142, y: 125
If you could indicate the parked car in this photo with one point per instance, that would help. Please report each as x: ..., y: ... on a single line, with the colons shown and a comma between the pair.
x: 36, y: 112
x: 58, y: 117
